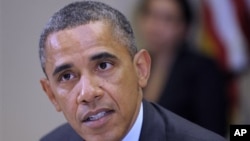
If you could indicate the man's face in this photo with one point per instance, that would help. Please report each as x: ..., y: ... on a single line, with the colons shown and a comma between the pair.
x: 94, y: 81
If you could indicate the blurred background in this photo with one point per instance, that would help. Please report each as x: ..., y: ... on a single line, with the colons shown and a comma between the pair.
x: 217, y: 38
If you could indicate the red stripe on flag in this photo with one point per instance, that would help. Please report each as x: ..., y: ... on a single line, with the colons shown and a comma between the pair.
x: 221, y: 55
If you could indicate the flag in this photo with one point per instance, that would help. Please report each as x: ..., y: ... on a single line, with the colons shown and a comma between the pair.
x: 225, y: 32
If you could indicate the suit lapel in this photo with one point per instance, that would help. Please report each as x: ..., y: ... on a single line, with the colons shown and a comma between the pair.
x: 153, y: 126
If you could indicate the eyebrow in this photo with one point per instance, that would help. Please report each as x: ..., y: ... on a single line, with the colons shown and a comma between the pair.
x: 102, y: 55
x: 99, y: 56
x: 61, y: 68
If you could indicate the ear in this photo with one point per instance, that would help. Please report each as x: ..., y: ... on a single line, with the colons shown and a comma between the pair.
x: 142, y: 63
x: 47, y: 89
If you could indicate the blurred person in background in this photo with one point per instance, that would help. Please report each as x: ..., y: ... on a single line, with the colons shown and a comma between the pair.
x: 182, y: 80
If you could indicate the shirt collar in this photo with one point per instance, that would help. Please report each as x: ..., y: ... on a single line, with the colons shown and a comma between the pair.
x: 134, y: 133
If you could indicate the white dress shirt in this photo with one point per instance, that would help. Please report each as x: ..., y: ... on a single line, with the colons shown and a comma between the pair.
x: 134, y: 133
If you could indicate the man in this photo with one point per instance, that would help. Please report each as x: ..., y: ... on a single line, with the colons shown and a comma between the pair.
x: 95, y: 75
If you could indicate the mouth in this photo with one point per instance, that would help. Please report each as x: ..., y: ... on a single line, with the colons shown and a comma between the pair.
x: 98, y: 117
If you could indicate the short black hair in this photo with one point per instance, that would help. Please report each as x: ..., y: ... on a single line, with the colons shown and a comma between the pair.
x: 84, y: 12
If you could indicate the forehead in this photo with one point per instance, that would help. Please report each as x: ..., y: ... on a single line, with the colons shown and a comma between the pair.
x: 83, y: 41
x: 83, y: 34
x: 83, y: 37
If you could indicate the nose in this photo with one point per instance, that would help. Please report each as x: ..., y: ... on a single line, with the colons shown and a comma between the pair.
x: 89, y: 91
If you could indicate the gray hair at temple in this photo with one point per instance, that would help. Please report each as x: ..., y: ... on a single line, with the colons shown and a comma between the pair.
x: 84, y: 12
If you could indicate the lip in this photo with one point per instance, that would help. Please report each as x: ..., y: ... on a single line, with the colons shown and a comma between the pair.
x: 97, y: 118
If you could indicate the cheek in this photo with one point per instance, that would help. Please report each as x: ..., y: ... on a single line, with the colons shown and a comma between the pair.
x: 122, y: 87
x: 67, y: 101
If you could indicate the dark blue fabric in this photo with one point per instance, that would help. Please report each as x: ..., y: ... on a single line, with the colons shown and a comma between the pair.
x: 158, y: 124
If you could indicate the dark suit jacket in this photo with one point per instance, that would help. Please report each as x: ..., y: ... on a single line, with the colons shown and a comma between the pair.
x: 159, y: 124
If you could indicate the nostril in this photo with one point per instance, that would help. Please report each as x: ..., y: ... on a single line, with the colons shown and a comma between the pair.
x: 90, y: 96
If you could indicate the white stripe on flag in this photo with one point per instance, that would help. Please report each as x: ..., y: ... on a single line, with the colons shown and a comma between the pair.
x: 228, y: 30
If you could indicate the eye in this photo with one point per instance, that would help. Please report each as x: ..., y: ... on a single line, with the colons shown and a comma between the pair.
x: 66, y: 77
x: 104, y: 66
